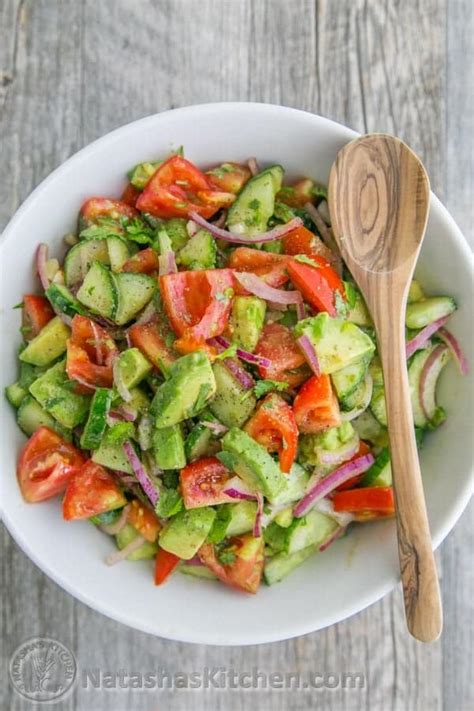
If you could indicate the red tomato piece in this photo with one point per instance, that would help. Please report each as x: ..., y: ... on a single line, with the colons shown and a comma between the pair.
x: 366, y: 503
x: 36, y: 313
x: 229, y: 177
x: 274, y: 426
x: 202, y: 483
x: 46, y: 464
x: 315, y: 406
x: 147, y: 338
x: 144, y: 520
x: 272, y: 268
x: 287, y: 362
x: 130, y: 195
x: 245, y: 567
x: 318, y: 285
x: 91, y: 491
x: 97, y: 207
x: 90, y: 354
x: 173, y: 191
x: 298, y: 194
x: 143, y: 262
x: 198, y: 305
x: 350, y: 483
x: 165, y: 563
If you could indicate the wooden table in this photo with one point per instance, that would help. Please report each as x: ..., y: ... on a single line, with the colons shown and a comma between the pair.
x: 72, y: 70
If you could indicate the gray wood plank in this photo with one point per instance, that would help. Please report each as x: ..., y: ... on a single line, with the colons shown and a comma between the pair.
x: 78, y: 70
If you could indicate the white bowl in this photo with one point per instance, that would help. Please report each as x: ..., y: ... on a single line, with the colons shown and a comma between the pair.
x: 329, y: 587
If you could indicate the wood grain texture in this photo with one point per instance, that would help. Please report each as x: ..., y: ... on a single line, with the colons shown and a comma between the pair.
x: 71, y: 70
x: 379, y: 196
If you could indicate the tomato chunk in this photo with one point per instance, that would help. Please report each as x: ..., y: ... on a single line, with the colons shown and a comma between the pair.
x: 316, y: 407
x: 46, y: 464
x: 37, y: 311
x: 202, y: 483
x: 198, y: 305
x: 152, y: 344
x: 144, y: 520
x: 366, y: 503
x: 130, y: 195
x: 239, y: 563
x: 91, y: 491
x: 97, y: 207
x: 272, y: 268
x: 274, y: 426
x: 165, y: 563
x: 178, y: 188
x: 143, y: 262
x: 90, y: 354
x: 287, y: 362
x: 229, y: 177
x: 319, y: 285
x: 298, y: 194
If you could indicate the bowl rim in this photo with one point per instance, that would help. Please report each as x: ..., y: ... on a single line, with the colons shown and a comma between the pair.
x: 290, y: 630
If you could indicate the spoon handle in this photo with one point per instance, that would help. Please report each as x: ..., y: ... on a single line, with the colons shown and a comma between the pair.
x: 417, y: 565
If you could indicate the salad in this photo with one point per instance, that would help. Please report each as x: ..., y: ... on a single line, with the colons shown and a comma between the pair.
x: 199, y: 376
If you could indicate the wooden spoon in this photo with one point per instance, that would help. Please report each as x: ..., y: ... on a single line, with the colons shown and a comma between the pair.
x: 378, y: 200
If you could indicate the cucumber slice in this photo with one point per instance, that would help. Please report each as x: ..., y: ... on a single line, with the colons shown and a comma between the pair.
x: 415, y: 292
x: 126, y: 535
x: 347, y: 379
x: 414, y: 376
x: 197, y: 571
x: 421, y: 313
x: 141, y: 174
x: 427, y: 413
x: 134, y: 292
x: 31, y: 416
x: 63, y: 300
x: 80, y: 258
x: 378, y: 406
x: 99, y: 292
x: 201, y: 441
x: 97, y: 421
x: 367, y: 427
x: 199, y: 253
x: 281, y: 565
x: 118, y: 252
x: 15, y: 394
x: 255, y: 204
x: 380, y: 473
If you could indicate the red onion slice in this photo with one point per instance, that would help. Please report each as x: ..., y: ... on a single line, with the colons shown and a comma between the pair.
x: 309, y: 353
x: 300, y: 311
x: 244, y: 355
x: 453, y: 345
x: 122, y: 389
x: 41, y: 259
x: 257, y: 526
x: 117, y: 556
x: 233, y: 366
x: 147, y: 315
x: 83, y: 382
x: 341, y: 454
x: 64, y: 317
x: 424, y: 335
x: 195, y: 561
x: 253, y: 166
x: 236, y: 488
x: 113, y: 528
x: 333, y: 537
x: 216, y: 427
x: 325, y: 485
x: 167, y: 264
x: 256, y: 286
x: 227, y: 236
x: 139, y: 471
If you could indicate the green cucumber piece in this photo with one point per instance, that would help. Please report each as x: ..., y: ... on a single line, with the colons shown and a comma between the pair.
x: 134, y: 292
x: 197, y: 571
x: 99, y: 292
x: 31, y: 416
x: 199, y: 253
x: 128, y: 534
x: 247, y: 320
x: 118, y: 252
x: 141, y: 174
x: 380, y: 473
x: 296, y: 482
x: 48, y: 345
x: 415, y: 293
x: 421, y: 313
x: 94, y: 428
x: 431, y: 415
x: 281, y: 565
x: 201, y: 441
x: 255, y: 204
x: 367, y: 427
x: 63, y: 300
x: 80, y: 258
x: 232, y: 405
x: 185, y: 533
x: 15, y: 394
x: 346, y: 380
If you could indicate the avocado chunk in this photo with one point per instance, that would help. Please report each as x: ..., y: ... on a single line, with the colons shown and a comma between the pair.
x: 337, y: 343
x: 186, y: 532
x: 113, y: 457
x: 54, y: 393
x: 15, y: 394
x: 133, y: 367
x: 191, y: 384
x: 232, y: 405
x: 168, y: 447
x: 177, y: 232
x: 128, y: 534
x: 255, y: 204
x: 281, y: 565
x: 48, y: 345
x: 247, y: 319
x: 313, y: 446
x: 296, y: 482
x: 252, y: 462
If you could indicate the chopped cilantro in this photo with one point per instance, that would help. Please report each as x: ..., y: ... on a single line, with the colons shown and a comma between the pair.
x: 319, y: 191
x: 351, y: 294
x: 304, y: 259
x: 18, y: 306
x: 262, y: 387
x: 225, y: 554
x: 229, y: 352
x: 254, y: 204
